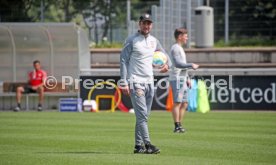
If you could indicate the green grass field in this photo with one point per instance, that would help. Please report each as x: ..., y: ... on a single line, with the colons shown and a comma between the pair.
x: 55, y: 138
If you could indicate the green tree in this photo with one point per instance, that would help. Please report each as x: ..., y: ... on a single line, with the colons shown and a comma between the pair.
x: 14, y: 10
x: 257, y: 17
x: 107, y: 11
x: 111, y: 13
x: 54, y: 10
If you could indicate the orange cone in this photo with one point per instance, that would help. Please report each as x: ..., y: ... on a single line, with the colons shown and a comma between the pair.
x: 169, y: 104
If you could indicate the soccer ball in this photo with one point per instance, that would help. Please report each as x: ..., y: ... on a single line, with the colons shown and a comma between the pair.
x: 90, y: 106
x: 159, y: 59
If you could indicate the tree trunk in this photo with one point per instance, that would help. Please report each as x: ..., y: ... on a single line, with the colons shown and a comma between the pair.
x: 66, y: 10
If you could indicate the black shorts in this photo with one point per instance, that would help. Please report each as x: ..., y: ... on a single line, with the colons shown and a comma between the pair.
x: 28, y: 89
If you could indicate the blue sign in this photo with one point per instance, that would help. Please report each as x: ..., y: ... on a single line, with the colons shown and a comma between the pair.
x: 70, y: 104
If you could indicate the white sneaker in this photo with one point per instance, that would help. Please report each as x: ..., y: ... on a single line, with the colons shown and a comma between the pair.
x: 16, y: 109
x: 39, y: 108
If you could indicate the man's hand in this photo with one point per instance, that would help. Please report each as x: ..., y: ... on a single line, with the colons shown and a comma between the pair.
x: 164, y: 68
x: 125, y: 90
x: 195, y: 66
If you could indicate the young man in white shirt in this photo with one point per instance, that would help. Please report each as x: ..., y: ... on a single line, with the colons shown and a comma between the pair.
x: 179, y: 78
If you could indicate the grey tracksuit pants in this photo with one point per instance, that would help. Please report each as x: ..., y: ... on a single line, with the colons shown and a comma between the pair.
x: 141, y: 98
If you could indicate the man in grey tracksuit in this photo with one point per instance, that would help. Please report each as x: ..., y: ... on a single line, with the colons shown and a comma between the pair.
x: 137, y: 80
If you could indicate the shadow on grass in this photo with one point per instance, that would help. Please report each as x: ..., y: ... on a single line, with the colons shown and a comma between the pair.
x: 80, y: 152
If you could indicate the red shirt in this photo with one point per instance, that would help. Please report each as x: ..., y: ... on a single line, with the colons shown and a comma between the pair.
x: 37, y: 77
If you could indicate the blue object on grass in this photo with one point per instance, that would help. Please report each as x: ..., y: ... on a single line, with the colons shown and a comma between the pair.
x: 192, y: 96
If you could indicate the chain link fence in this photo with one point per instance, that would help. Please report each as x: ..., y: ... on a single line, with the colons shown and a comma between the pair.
x: 249, y: 21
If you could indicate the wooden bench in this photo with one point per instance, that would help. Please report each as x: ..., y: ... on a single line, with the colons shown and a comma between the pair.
x: 9, y: 90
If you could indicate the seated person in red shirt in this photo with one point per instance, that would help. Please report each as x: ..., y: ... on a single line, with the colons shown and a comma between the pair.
x: 35, y: 85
